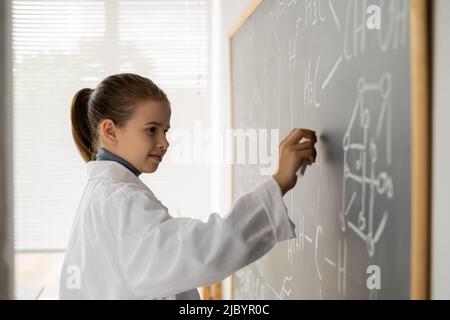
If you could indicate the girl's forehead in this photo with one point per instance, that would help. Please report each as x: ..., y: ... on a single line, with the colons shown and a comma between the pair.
x: 153, y: 111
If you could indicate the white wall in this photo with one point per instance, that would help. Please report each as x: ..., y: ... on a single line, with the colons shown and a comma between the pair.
x: 224, y: 14
x: 440, y: 241
x: 6, y: 226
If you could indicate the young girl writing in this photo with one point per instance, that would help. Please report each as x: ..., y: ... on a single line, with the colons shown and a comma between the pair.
x: 124, y: 244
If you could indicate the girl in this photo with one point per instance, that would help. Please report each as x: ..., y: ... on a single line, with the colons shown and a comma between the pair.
x: 123, y: 243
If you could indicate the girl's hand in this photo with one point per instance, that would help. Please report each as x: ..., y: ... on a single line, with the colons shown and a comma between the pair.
x: 292, y: 154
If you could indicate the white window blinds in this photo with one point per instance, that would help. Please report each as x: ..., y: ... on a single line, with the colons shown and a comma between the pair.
x: 60, y: 47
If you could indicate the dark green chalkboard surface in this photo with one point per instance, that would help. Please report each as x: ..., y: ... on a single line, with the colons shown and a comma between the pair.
x: 326, y: 65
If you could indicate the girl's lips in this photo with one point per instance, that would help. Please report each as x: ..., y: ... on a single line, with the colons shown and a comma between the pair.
x: 156, y: 157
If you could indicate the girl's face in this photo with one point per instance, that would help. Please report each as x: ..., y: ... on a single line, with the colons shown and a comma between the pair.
x: 142, y: 141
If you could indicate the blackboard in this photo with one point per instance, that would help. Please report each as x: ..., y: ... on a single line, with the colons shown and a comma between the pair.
x: 329, y: 66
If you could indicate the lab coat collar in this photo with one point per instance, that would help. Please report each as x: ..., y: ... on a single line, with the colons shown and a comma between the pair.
x: 116, y: 172
x: 109, y: 169
x: 104, y: 154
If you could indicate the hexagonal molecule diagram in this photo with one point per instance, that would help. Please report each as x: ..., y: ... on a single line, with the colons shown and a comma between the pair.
x: 367, y: 159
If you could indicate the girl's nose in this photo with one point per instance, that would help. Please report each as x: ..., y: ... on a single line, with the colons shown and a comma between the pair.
x: 164, y: 143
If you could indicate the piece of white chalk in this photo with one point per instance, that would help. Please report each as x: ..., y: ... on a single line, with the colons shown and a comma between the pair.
x: 301, y: 171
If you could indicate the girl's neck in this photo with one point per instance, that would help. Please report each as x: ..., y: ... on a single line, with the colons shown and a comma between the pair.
x: 104, y: 154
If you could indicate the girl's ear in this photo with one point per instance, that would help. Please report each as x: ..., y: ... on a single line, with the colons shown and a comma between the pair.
x: 108, y: 131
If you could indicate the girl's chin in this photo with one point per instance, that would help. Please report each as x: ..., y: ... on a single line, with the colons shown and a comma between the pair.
x: 149, y: 170
x: 150, y: 167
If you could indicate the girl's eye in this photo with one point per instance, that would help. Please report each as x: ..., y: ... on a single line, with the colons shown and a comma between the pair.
x: 152, y: 129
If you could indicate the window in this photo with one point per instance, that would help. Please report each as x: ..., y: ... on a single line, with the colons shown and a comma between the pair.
x: 62, y: 46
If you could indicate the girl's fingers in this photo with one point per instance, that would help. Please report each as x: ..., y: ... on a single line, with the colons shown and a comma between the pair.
x: 304, y: 145
x: 312, y: 158
x: 309, y: 147
x: 308, y: 154
x: 299, y: 134
x: 290, y: 133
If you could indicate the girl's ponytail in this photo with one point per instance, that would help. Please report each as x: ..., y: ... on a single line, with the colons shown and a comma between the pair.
x: 81, y: 128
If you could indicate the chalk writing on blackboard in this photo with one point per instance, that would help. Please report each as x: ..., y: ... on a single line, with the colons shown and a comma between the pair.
x: 315, y: 63
x: 332, y: 72
x: 360, y: 178
x: 310, y: 93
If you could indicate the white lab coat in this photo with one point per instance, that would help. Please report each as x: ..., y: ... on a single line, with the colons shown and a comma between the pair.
x: 125, y: 245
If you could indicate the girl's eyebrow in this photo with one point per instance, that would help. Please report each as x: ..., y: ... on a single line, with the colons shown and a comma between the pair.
x: 157, y: 123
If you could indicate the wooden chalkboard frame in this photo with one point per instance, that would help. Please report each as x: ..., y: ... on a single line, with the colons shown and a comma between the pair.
x: 420, y: 140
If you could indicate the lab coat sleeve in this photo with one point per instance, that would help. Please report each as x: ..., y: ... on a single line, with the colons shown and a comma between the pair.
x: 161, y: 255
